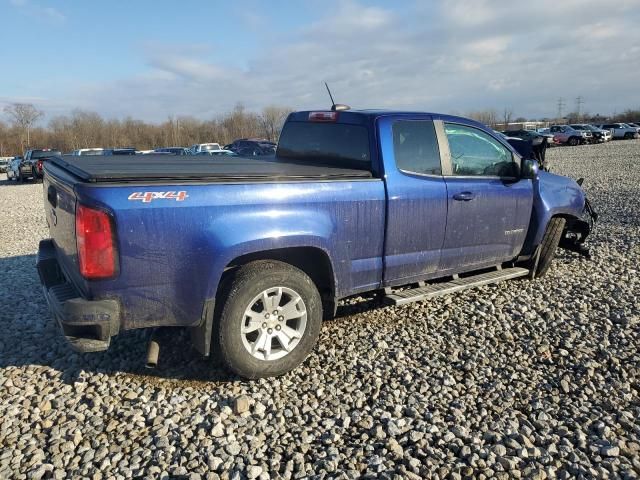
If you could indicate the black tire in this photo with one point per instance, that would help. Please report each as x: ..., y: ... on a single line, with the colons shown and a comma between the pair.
x: 34, y: 175
x: 238, y: 292
x: 573, y: 141
x: 547, y: 249
x: 20, y: 176
x: 628, y: 135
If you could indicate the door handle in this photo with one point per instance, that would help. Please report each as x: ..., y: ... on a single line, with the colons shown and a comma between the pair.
x: 463, y: 196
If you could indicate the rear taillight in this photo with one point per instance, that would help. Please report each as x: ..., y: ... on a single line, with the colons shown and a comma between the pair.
x: 97, y: 253
x: 323, y: 116
x: 40, y: 165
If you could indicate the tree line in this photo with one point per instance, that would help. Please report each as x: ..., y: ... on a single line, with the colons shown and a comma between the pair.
x: 84, y: 129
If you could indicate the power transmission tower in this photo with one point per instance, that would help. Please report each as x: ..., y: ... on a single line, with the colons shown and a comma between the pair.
x: 560, y: 107
x: 579, y: 102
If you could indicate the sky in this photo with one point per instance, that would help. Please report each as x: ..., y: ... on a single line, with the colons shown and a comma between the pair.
x: 154, y: 59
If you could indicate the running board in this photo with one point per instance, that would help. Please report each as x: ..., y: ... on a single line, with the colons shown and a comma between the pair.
x: 455, y: 285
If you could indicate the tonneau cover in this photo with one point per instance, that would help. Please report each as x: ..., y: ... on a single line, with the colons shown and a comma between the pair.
x: 98, y: 168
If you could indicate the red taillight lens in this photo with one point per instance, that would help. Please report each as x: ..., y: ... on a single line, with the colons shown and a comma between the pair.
x: 323, y: 116
x: 40, y: 165
x: 96, y: 249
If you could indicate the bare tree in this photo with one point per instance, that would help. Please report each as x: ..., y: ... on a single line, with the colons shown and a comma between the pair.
x: 271, y: 119
x: 507, y: 114
x: 24, y: 116
x: 487, y: 117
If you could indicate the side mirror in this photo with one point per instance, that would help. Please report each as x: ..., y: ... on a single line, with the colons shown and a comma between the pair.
x: 529, y: 169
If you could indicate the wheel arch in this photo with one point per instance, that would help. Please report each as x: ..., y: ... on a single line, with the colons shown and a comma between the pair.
x: 312, y: 260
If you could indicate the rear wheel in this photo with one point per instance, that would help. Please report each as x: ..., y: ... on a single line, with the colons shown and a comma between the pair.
x: 270, y: 320
x: 573, y: 141
x: 628, y: 135
x: 542, y: 261
x: 20, y: 176
x: 34, y: 175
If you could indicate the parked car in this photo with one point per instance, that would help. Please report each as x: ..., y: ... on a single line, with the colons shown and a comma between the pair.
x: 4, y: 165
x: 548, y: 135
x: 598, y: 135
x: 88, y: 151
x: 173, y: 150
x: 204, y: 147
x: 531, y: 135
x: 31, y: 165
x: 620, y: 130
x: 252, y: 147
x: 13, y: 168
x: 536, y: 145
x: 258, y: 252
x: 566, y: 135
x: 218, y: 153
x: 119, y: 151
x: 634, y: 125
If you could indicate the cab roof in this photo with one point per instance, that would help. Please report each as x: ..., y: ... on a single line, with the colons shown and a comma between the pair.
x: 369, y: 116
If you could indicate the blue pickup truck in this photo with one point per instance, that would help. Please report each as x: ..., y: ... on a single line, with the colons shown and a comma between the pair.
x: 251, y: 254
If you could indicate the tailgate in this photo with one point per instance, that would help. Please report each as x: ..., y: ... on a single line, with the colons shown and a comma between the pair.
x: 60, y: 208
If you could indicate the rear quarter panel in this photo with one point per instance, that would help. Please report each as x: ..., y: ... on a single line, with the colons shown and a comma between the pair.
x: 173, y: 253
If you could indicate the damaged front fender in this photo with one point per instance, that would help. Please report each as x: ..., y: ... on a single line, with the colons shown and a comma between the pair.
x: 578, y: 229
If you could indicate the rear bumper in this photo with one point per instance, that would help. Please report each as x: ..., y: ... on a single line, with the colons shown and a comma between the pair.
x: 87, y: 325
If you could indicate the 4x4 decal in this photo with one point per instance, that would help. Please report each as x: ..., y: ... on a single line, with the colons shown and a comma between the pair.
x: 147, y: 197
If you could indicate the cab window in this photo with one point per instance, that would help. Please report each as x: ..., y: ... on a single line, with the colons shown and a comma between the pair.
x: 476, y: 153
x: 415, y: 147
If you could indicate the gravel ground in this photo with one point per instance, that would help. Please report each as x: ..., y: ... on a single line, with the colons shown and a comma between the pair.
x: 525, y: 379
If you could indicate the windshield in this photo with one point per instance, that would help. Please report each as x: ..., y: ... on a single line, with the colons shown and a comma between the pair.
x: 334, y: 144
x: 208, y: 148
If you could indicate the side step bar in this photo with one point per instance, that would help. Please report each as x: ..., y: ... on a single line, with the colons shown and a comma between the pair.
x: 456, y: 285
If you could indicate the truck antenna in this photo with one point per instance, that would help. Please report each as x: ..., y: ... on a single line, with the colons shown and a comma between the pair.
x: 333, y: 103
x: 335, y: 106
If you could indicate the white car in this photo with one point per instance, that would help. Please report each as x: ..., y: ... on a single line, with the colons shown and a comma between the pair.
x: 620, y: 130
x: 218, y: 153
x: 204, y: 147
x: 87, y: 151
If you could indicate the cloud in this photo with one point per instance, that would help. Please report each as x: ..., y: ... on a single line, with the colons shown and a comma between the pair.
x: 47, y: 14
x: 462, y: 56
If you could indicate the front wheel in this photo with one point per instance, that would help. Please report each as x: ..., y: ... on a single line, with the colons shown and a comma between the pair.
x: 546, y: 251
x: 573, y: 141
x: 270, y: 320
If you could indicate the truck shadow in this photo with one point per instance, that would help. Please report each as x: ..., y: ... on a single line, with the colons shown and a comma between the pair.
x: 29, y: 336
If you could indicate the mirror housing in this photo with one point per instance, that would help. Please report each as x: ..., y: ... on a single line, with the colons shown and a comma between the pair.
x: 530, y: 169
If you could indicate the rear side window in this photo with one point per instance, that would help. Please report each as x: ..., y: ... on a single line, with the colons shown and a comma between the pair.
x: 41, y: 154
x: 333, y: 144
x: 415, y: 147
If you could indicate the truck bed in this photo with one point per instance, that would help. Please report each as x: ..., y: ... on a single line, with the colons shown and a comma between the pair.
x: 149, y: 168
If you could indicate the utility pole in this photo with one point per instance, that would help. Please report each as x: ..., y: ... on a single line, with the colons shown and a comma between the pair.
x: 560, y: 107
x: 579, y: 102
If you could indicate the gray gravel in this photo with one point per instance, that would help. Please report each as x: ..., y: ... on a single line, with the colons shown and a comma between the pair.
x: 524, y: 379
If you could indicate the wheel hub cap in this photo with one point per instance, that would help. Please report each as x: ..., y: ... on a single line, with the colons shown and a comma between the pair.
x: 273, y: 323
